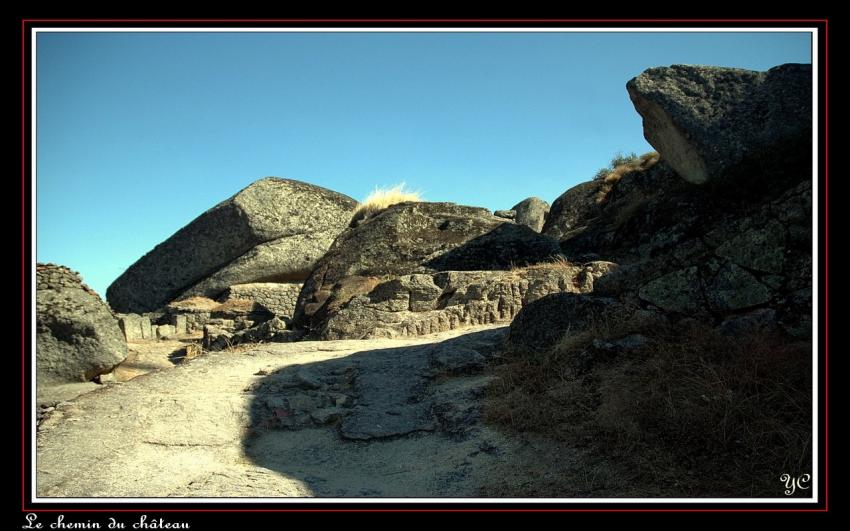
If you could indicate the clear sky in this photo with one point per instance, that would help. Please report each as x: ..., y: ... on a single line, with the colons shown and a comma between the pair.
x: 139, y: 133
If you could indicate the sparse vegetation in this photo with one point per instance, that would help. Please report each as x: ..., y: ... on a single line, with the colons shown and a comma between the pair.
x: 382, y: 198
x: 691, y: 413
x: 558, y: 262
x: 619, y: 166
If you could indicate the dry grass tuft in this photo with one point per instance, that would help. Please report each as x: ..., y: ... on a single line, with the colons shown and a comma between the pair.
x: 554, y: 263
x: 692, y: 412
x: 382, y: 198
x: 621, y: 166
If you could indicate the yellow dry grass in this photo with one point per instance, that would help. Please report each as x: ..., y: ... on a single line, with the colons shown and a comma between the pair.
x: 558, y: 262
x: 642, y: 163
x: 382, y: 198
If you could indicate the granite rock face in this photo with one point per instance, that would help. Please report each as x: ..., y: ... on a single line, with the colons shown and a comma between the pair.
x: 726, y: 124
x: 284, y: 260
x: 77, y: 336
x: 550, y: 319
x: 269, y: 210
x: 421, y: 304
x: 572, y: 210
x: 532, y: 213
x: 414, y: 238
x: 686, y: 250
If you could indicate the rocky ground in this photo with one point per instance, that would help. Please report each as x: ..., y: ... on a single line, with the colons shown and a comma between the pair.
x: 376, y: 418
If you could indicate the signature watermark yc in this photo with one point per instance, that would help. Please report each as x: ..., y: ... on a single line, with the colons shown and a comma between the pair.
x: 793, y: 484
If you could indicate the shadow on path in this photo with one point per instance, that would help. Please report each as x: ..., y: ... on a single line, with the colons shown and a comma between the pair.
x: 396, y: 422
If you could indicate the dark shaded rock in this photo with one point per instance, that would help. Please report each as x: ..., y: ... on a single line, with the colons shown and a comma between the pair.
x: 646, y: 214
x: 77, y: 336
x: 414, y: 238
x: 761, y: 248
x: 734, y: 288
x: 795, y: 313
x: 572, y: 210
x: 267, y: 210
x: 679, y: 292
x: 542, y: 324
x: 532, y: 213
x: 725, y: 124
x: 758, y: 321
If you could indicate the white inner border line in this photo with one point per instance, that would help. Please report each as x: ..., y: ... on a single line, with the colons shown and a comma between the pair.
x: 815, y: 261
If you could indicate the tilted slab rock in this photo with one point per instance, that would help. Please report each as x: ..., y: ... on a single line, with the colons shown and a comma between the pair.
x: 289, y: 259
x: 269, y: 209
x: 77, y: 336
x: 719, y: 124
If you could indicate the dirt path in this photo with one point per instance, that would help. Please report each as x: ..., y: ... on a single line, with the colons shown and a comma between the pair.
x: 381, y: 418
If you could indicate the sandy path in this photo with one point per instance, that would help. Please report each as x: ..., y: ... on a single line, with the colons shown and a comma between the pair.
x: 380, y: 418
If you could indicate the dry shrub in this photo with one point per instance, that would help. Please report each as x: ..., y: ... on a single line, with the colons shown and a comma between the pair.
x: 693, y: 412
x: 621, y: 166
x: 382, y: 198
x: 558, y: 262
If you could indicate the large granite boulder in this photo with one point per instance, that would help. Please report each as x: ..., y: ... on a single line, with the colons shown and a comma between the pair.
x: 531, y: 212
x: 726, y: 124
x: 77, y: 336
x: 415, y: 238
x: 269, y: 210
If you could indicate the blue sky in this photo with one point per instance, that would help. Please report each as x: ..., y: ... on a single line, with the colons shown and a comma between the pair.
x: 139, y: 133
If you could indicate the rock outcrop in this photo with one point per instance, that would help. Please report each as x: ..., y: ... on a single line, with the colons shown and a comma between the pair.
x: 573, y: 210
x: 414, y: 238
x: 532, y: 213
x: 726, y: 124
x: 420, y: 304
x: 77, y: 336
x: 269, y: 210
x: 688, y: 251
